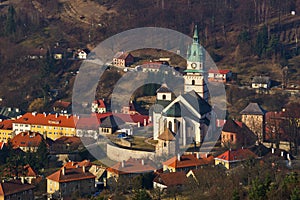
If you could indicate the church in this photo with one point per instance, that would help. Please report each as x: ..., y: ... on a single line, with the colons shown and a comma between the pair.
x: 185, y: 119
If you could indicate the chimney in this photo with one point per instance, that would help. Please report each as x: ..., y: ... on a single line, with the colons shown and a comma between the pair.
x: 17, y: 110
x: 63, y: 171
x: 123, y: 163
x: 33, y: 113
x: 145, y: 122
x: 83, y: 169
x: 139, y: 124
x: 33, y: 134
x: 9, y: 109
x: 206, y: 155
x: 273, y: 150
x: 45, y: 115
x: 178, y: 157
x: 198, y: 155
x: 22, y: 133
x: 143, y: 162
x: 242, y: 147
x: 56, y: 115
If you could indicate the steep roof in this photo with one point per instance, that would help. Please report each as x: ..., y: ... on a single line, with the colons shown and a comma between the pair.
x: 163, y: 89
x: 231, y: 126
x: 197, y: 102
x: 236, y: 155
x: 167, y: 135
x: 133, y: 165
x: 189, y: 160
x: 253, y: 109
x: 100, y: 103
x: 70, y: 174
x: 47, y: 120
x: 171, y: 179
x: 13, y: 187
x: 29, y: 171
x: 174, y: 110
x: 27, y: 139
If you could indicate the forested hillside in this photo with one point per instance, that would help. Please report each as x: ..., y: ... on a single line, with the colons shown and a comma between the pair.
x: 250, y: 37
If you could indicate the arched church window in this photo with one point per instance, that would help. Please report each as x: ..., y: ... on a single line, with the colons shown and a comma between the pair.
x: 164, y: 97
x: 193, y: 82
x: 165, y: 144
x: 170, y: 125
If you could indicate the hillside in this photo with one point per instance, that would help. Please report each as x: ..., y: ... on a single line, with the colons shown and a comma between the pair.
x: 248, y: 37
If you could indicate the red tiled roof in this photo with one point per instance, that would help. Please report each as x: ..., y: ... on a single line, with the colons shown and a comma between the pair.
x: 100, y: 103
x: 29, y: 171
x: 171, y: 179
x: 236, y: 155
x: 62, y: 104
x: 71, y: 174
x: 73, y: 164
x: 221, y: 71
x: 27, y: 139
x: 127, y: 118
x: 189, y: 160
x: 47, y: 120
x: 68, y: 140
x: 6, y: 124
x: 132, y: 166
x: 13, y: 187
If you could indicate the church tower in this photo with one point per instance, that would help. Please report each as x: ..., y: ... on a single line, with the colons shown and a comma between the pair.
x: 195, y: 77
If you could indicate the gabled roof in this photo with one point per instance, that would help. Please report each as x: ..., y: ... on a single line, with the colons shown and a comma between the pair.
x: 189, y: 160
x: 236, y: 155
x: 122, y: 55
x: 111, y: 122
x: 47, y: 120
x: 231, y: 126
x: 261, y: 79
x: 70, y: 174
x: 6, y: 124
x: 133, y: 165
x: 163, y: 89
x: 174, y: 110
x: 13, y: 187
x: 167, y: 135
x: 70, y: 140
x: 29, y: 171
x: 72, y: 164
x: 253, y: 109
x: 127, y: 118
x: 197, y: 102
x: 171, y: 179
x: 27, y: 139
x: 221, y: 71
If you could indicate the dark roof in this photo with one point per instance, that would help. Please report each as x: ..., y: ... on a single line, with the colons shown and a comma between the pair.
x: 163, y: 89
x: 12, y: 187
x: 10, y: 112
x: 260, y: 150
x: 253, y: 109
x: 261, y: 79
x: 197, y: 102
x: 231, y: 126
x: 111, y: 122
x: 174, y: 110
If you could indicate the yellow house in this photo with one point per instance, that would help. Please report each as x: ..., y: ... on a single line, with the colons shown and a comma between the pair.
x: 6, y: 131
x: 67, y: 181
x: 51, y: 125
x: 15, y: 190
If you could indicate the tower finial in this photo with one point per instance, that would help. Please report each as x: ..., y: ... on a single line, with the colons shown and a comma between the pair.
x: 195, y: 37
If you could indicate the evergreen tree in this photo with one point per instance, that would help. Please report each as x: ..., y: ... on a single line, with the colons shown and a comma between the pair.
x: 10, y: 21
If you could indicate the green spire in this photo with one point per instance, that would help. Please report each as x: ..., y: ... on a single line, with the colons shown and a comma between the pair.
x: 195, y: 37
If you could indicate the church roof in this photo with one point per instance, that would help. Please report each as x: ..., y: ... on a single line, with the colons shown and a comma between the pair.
x: 253, y: 109
x: 167, y: 135
x: 163, y: 89
x: 174, y: 110
x: 197, y: 102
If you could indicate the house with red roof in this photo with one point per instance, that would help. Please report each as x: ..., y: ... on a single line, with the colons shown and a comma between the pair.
x: 51, y: 125
x: 69, y: 180
x: 6, y: 131
x: 63, y: 107
x: 98, y: 106
x: 29, y: 174
x: 222, y: 75
x: 122, y: 59
x: 169, y: 180
x: 15, y: 190
x: 236, y: 134
x: 232, y: 158
x: 27, y: 141
x: 66, y: 144
x: 187, y: 162
x: 131, y: 167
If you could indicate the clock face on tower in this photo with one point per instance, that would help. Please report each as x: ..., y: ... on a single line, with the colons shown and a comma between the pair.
x: 194, y: 65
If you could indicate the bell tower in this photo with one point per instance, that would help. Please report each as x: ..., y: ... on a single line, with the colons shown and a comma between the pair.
x: 195, y: 77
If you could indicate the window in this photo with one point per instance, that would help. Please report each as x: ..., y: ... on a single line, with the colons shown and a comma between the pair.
x: 165, y: 144
x: 163, y: 96
x: 170, y: 125
x: 231, y: 138
x: 193, y: 82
